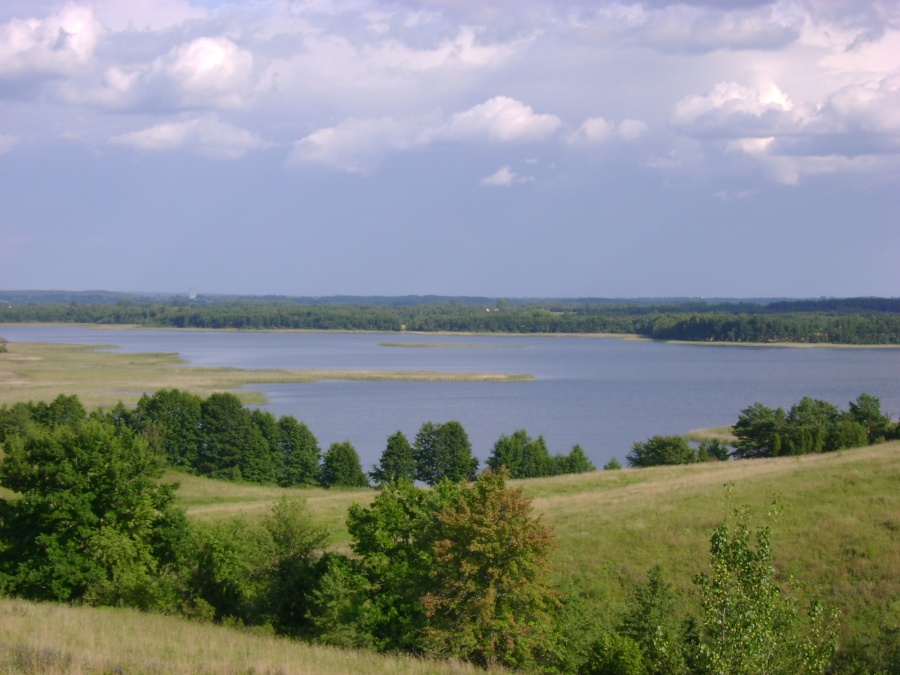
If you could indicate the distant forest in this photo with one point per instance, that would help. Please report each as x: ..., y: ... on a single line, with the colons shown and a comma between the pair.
x: 852, y: 321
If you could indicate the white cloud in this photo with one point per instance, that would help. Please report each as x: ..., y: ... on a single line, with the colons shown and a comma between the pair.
x: 733, y: 110
x: 355, y: 145
x: 599, y: 130
x: 593, y: 130
x: 359, y: 145
x: 205, y: 136
x: 872, y: 106
x: 502, y: 120
x: 210, y: 71
x: 207, y: 72
x: 504, y: 177
x: 61, y: 44
x: 632, y: 129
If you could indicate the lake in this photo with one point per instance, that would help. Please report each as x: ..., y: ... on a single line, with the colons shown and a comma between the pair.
x: 603, y: 393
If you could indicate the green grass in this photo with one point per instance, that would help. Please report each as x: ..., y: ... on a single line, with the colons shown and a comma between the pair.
x: 839, y: 534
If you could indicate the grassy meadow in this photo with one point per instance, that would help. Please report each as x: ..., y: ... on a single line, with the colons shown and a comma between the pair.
x: 838, y: 535
x: 50, y: 639
x: 838, y: 532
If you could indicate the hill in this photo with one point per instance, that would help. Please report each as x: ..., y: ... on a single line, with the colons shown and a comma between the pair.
x: 838, y: 536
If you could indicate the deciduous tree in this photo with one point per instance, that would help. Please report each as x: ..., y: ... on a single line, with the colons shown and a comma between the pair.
x: 91, y: 521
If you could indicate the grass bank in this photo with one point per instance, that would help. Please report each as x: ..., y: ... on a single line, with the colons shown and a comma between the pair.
x: 49, y: 638
x: 39, y: 372
x: 838, y: 534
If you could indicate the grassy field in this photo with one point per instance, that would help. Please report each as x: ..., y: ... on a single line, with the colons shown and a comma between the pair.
x: 50, y: 639
x: 39, y: 372
x: 838, y: 534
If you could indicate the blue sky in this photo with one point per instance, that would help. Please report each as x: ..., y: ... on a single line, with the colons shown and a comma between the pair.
x: 519, y: 149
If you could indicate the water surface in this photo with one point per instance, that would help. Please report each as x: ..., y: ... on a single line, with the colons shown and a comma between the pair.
x: 602, y: 393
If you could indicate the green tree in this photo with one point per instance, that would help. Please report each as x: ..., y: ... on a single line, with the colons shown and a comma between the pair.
x: 713, y: 450
x: 63, y: 410
x: 522, y: 456
x: 171, y: 420
x: 575, y: 462
x: 231, y: 445
x: 397, y: 462
x: 443, y: 451
x: 613, y: 654
x: 810, y: 426
x: 866, y: 410
x: 341, y: 467
x: 394, y: 541
x: 490, y: 598
x: 661, y: 450
x: 650, y: 621
x: 612, y: 465
x: 91, y: 522
x: 747, y: 625
x: 759, y: 431
x: 300, y: 454
x: 261, y: 572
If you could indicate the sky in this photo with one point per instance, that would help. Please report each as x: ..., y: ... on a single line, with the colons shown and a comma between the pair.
x: 513, y: 148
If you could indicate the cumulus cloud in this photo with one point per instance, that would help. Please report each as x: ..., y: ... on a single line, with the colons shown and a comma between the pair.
x: 733, y: 110
x: 61, y: 44
x: 209, y: 71
x: 204, y: 73
x: 504, y: 177
x: 500, y: 120
x: 359, y: 145
x: 598, y: 130
x: 355, y: 145
x: 205, y: 136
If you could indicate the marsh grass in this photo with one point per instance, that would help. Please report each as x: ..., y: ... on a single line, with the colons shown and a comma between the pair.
x: 48, y: 638
x: 705, y: 435
x: 39, y: 372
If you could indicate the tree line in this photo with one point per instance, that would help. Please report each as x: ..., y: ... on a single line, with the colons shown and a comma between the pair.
x: 218, y: 437
x: 461, y: 570
x: 860, y: 321
x: 809, y: 426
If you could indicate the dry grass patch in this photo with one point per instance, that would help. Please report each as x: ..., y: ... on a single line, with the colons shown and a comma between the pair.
x: 48, y: 638
x: 708, y: 434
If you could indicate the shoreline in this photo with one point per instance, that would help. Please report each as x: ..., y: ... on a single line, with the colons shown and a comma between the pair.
x: 629, y: 337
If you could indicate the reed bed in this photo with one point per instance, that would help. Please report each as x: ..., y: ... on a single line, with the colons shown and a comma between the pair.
x: 40, y: 372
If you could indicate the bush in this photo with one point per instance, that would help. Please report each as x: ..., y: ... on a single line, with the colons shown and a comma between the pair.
x: 341, y: 467
x: 661, y: 450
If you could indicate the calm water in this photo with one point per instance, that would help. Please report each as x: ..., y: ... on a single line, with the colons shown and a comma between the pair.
x: 602, y: 393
